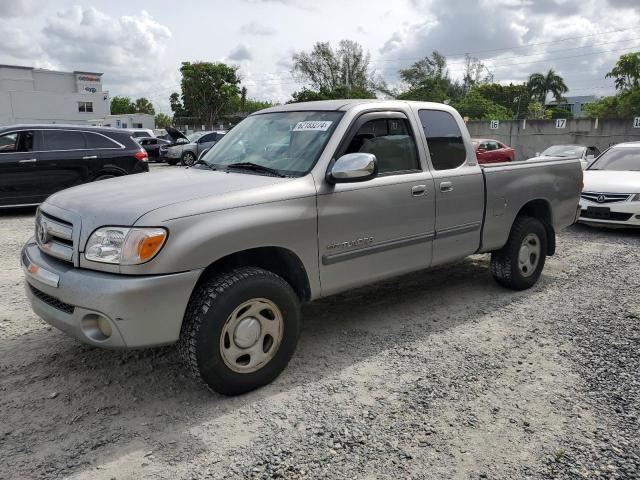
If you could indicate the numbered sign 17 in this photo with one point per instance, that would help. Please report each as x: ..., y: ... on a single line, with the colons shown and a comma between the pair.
x: 561, y: 123
x: 494, y: 124
x: 636, y: 122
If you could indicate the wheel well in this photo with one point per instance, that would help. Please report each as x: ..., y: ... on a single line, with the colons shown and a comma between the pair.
x: 109, y: 171
x: 541, y: 210
x: 278, y: 260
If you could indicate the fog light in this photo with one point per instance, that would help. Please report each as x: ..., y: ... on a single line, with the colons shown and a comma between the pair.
x: 96, y: 327
x: 104, y: 326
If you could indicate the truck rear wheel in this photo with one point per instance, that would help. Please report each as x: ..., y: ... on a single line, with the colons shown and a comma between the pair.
x: 519, y: 263
x: 240, y: 330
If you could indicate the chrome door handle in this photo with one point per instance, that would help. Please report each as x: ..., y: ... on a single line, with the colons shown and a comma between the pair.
x: 446, y: 187
x: 90, y: 157
x: 418, y: 190
x: 28, y: 160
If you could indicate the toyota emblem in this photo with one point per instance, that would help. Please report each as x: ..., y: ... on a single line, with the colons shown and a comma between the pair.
x: 601, y: 198
x: 42, y: 231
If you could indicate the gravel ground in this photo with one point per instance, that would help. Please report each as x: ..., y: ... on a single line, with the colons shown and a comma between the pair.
x: 439, y: 374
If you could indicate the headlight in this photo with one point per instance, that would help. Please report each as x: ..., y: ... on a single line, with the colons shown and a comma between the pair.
x: 124, y: 246
x: 636, y: 198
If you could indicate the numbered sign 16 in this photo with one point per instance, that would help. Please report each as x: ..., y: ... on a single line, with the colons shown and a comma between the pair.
x: 494, y: 124
x: 561, y: 123
x: 636, y: 122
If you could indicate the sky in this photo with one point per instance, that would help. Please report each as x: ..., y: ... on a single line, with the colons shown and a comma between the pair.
x: 139, y: 45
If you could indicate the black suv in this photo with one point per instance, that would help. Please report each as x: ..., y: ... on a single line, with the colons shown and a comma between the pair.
x: 38, y: 160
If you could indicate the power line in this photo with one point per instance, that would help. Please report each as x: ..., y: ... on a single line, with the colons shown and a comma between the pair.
x: 527, y: 45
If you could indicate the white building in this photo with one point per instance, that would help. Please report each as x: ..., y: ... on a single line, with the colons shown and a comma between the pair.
x: 34, y: 95
x: 129, y: 120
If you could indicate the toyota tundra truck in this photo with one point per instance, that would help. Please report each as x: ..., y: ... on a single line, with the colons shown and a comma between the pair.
x: 296, y: 203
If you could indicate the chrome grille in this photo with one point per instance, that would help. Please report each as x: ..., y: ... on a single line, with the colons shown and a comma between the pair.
x: 54, y: 236
x: 601, y: 197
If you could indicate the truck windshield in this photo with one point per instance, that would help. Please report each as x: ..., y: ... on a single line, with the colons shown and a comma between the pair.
x: 619, y: 159
x: 287, y: 142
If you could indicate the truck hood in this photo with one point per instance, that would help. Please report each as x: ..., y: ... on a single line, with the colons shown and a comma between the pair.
x: 610, y: 181
x: 123, y: 200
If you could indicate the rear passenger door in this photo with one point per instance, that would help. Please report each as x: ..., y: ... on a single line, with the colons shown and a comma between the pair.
x: 459, y: 187
x: 65, y: 161
x: 384, y: 226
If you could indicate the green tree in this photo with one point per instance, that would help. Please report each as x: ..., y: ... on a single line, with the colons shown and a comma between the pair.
x: 344, y: 70
x: 162, y: 120
x: 626, y: 72
x: 475, y: 73
x: 540, y: 85
x: 143, y: 105
x: 513, y: 97
x: 208, y: 89
x: 476, y: 107
x: 428, y: 80
x: 308, y: 95
x: 122, y: 106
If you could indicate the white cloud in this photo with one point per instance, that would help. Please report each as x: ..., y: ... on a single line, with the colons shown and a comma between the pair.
x: 16, y: 8
x: 240, y: 53
x: 255, y: 28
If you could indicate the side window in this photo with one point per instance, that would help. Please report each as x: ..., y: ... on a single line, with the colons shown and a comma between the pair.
x: 64, y: 140
x: 209, y: 137
x: 390, y: 140
x: 16, y: 142
x: 95, y: 140
x: 496, y: 146
x: 444, y: 139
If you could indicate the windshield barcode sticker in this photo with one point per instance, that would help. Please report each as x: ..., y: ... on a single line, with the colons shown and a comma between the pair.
x: 310, y: 125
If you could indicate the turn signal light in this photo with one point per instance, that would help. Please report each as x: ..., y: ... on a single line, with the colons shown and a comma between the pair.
x: 150, y: 245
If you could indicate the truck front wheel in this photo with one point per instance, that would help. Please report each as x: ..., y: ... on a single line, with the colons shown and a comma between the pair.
x: 519, y: 263
x: 240, y: 330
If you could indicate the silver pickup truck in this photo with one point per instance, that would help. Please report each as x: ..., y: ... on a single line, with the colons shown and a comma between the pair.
x: 295, y: 203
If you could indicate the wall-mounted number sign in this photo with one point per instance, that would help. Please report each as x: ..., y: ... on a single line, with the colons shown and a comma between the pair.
x: 561, y: 123
x: 494, y: 124
x: 636, y: 122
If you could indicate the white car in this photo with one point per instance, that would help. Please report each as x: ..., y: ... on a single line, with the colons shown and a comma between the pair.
x: 557, y: 152
x: 141, y: 132
x: 611, y: 194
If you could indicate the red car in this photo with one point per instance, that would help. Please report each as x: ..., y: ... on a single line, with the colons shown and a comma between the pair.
x: 493, y: 151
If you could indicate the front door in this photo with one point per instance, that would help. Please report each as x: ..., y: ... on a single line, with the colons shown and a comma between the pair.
x: 459, y: 187
x: 382, y: 227
x: 18, y: 168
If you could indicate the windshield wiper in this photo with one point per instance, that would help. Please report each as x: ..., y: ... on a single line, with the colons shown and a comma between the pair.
x: 256, y: 168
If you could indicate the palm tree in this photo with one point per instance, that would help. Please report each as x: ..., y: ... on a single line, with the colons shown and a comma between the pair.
x: 540, y: 85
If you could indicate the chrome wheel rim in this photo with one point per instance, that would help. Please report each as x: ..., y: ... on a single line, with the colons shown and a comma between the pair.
x: 529, y: 255
x: 189, y: 158
x: 251, y: 335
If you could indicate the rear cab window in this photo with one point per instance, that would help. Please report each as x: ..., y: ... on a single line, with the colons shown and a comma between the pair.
x: 444, y: 139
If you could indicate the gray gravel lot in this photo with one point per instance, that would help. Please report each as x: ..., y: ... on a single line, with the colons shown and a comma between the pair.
x: 438, y: 374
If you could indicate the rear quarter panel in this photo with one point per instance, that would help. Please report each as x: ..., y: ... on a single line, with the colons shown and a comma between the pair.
x: 509, y: 187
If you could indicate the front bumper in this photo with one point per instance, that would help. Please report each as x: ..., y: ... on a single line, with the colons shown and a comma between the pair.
x: 625, y: 213
x: 142, y: 311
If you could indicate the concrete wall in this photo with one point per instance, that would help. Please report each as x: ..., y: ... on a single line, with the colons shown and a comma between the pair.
x: 530, y: 136
x: 133, y: 120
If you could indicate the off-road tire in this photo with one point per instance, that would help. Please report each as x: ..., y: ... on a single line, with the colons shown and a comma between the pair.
x: 209, y: 307
x: 504, y: 262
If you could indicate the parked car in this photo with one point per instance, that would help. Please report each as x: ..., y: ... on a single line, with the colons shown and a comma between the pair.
x: 38, y: 160
x: 296, y: 203
x: 492, y: 151
x: 140, y: 132
x: 611, y: 194
x: 585, y: 154
x: 187, y: 148
x: 152, y: 146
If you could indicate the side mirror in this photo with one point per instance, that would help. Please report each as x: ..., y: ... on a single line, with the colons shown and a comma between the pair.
x: 353, y: 167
